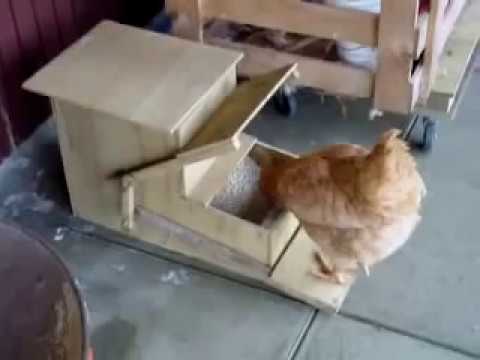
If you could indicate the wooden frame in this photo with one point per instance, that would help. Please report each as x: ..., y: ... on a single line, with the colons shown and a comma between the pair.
x: 409, y: 44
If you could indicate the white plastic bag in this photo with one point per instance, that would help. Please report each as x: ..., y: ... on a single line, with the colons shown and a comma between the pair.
x: 352, y: 53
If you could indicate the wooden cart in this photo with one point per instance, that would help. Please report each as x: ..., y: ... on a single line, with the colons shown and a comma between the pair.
x: 410, y: 46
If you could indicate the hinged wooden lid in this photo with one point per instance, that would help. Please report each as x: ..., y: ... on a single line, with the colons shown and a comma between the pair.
x: 235, y: 113
x: 137, y: 75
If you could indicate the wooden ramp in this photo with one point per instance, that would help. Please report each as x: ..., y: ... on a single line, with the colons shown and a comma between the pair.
x: 293, y: 275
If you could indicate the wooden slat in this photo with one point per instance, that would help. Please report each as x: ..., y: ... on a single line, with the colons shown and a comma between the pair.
x: 332, y: 77
x: 455, y: 60
x: 440, y: 28
x: 434, y: 47
x: 422, y: 34
x: 397, y: 50
x: 240, y: 107
x: 417, y: 79
x: 298, y: 17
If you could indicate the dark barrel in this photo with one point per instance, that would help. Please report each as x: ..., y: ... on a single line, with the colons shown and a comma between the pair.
x: 41, y: 313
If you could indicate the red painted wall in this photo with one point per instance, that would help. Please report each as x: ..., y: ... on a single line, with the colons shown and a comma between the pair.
x: 34, y: 31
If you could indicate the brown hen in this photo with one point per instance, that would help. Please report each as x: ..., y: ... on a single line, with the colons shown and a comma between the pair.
x: 359, y: 206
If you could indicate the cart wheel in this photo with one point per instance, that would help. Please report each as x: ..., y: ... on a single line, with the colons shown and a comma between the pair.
x: 429, y: 134
x: 426, y: 136
x: 285, y: 101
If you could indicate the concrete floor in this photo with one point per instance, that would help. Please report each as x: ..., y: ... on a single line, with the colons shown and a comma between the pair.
x: 144, y: 303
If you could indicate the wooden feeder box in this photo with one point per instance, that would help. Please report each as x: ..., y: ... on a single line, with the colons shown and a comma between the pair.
x: 151, y: 130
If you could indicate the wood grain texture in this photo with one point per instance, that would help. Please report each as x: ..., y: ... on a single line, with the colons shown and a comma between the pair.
x: 421, y: 34
x: 193, y: 175
x: 216, y: 178
x: 157, y: 230
x: 206, y: 107
x: 332, y: 77
x: 240, y: 107
x: 211, y: 150
x: 298, y: 17
x: 91, y: 156
x: 454, y: 61
x: 162, y: 195
x: 397, y: 50
x: 143, y: 77
x: 434, y: 44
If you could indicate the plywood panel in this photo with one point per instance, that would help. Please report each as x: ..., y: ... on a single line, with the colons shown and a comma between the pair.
x: 140, y: 76
x: 240, y: 107
x: 217, y: 176
x: 94, y: 148
x: 162, y: 195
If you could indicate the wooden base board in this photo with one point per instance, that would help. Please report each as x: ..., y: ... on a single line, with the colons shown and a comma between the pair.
x: 159, y: 231
x: 291, y: 276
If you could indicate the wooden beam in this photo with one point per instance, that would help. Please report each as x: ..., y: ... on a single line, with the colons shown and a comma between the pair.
x: 332, y: 77
x: 297, y: 16
x: 397, y: 50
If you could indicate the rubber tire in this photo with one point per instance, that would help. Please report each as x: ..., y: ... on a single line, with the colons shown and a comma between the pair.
x: 429, y: 134
x: 285, y: 102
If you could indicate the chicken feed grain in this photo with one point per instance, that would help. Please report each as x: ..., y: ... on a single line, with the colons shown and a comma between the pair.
x: 242, y: 196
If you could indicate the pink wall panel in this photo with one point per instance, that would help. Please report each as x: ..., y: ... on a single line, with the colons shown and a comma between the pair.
x: 31, y: 33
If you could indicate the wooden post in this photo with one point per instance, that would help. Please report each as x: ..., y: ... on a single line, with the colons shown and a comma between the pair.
x: 128, y: 203
x: 189, y: 18
x: 396, y: 53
